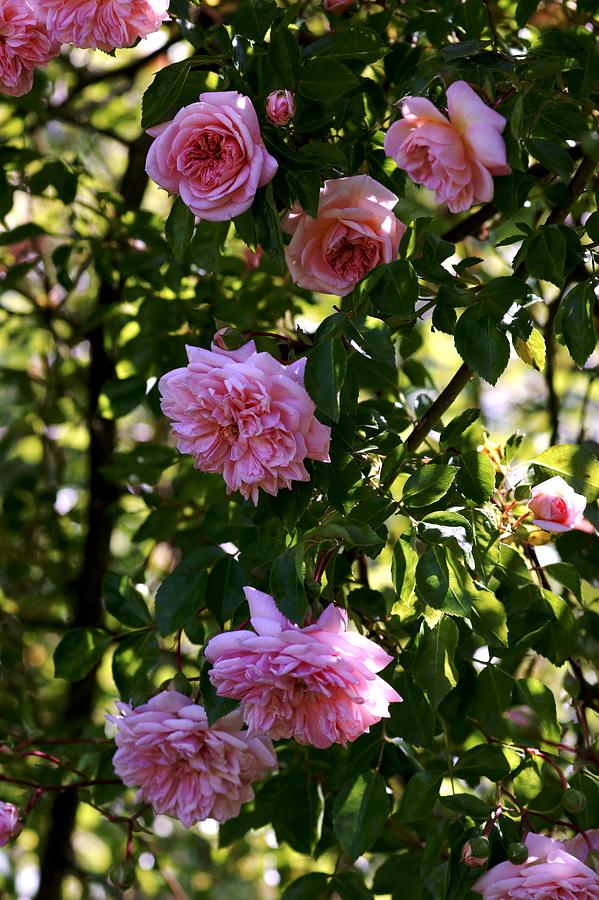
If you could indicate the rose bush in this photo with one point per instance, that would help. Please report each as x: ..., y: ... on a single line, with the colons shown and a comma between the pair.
x: 298, y: 532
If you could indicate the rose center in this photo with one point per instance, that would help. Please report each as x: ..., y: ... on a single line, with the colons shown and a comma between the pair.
x: 352, y: 259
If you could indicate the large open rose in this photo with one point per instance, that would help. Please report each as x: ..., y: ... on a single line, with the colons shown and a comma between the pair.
x: 103, y: 24
x: 355, y: 230
x: 212, y: 154
x: 555, y: 505
x: 454, y: 157
x: 24, y: 44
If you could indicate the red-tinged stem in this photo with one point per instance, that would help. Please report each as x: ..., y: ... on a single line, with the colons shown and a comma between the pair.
x: 323, y: 561
x: 492, y: 820
x: 179, y: 655
x: 57, y: 788
x: 532, y: 751
x: 129, y: 848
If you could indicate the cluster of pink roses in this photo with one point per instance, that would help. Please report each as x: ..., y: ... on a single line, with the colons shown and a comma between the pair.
x: 316, y: 684
x: 32, y: 31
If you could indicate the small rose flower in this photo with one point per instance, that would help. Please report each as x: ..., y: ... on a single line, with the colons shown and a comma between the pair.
x: 355, y: 230
x: 185, y: 768
x: 555, y: 505
x: 103, y: 24
x: 550, y: 872
x: 212, y: 154
x: 475, y: 853
x: 454, y: 157
x: 246, y: 416
x: 10, y: 822
x: 337, y: 6
x: 315, y: 684
x: 24, y: 45
x: 280, y: 107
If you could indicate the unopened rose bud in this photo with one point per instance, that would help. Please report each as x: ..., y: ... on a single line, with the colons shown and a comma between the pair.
x: 122, y: 875
x: 10, y: 822
x: 476, y: 852
x: 517, y: 853
x: 228, y: 339
x: 573, y: 801
x: 280, y: 107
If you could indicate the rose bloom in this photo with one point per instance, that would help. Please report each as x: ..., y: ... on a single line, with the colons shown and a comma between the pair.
x: 24, y: 44
x: 355, y: 231
x: 103, y: 24
x: 212, y: 154
x: 581, y: 845
x: 454, y: 157
x: 246, y: 416
x: 555, y: 505
x: 185, y: 768
x: 315, y: 684
x: 280, y: 107
x: 10, y: 822
x: 551, y: 872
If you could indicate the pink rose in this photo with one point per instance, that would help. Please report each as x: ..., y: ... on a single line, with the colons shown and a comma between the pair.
x: 581, y: 845
x: 337, y: 6
x: 185, y: 768
x: 355, y: 231
x: 246, y: 416
x: 103, y: 24
x: 315, y: 684
x: 10, y: 822
x: 550, y: 872
x: 280, y: 107
x: 252, y: 257
x: 24, y: 44
x: 555, y: 505
x: 212, y: 154
x: 455, y: 158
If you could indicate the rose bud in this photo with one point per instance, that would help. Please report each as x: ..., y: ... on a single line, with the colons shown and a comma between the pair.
x: 476, y: 852
x: 280, y: 107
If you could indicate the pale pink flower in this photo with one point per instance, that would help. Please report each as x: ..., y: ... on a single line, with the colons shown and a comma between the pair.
x: 355, y: 230
x: 246, y: 416
x: 10, y: 822
x: 183, y: 767
x: 316, y: 684
x: 555, y: 505
x: 337, y: 6
x: 24, y: 44
x: 102, y: 24
x: 454, y: 157
x: 549, y: 873
x: 581, y: 845
x: 252, y: 257
x: 280, y: 107
x: 213, y: 155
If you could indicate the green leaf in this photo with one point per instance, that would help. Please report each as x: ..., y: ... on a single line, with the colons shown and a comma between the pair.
x: 481, y: 344
x: 552, y: 156
x: 395, y: 291
x: 284, y: 57
x: 532, y: 350
x: 403, y: 569
x: 207, y: 244
x: 325, y: 374
x: 253, y: 18
x: 298, y: 810
x: 489, y: 618
x: 486, y: 760
x: 287, y: 585
x: 268, y: 228
x: 468, y: 805
x: 413, y: 719
x: 216, y: 707
x: 498, y: 294
x: 476, y: 477
x: 182, y: 593
x: 451, y: 528
x: 592, y: 227
x: 575, y: 464
x: 533, y: 693
x: 442, y: 582
x: 79, y: 651
x: 21, y: 233
x: 574, y: 322
x: 435, y: 669
x: 179, y: 227
x: 427, y: 485
x: 493, y: 696
x: 356, y: 44
x: 349, y: 885
x: 456, y: 428
x: 567, y: 575
x: 546, y: 255
x: 133, y: 663
x: 122, y: 395
x: 123, y: 601
x: 313, y: 886
x: 524, y: 10
x: 224, y: 589
x: 360, y: 811
x: 164, y: 92
x: 420, y: 796
x: 325, y: 80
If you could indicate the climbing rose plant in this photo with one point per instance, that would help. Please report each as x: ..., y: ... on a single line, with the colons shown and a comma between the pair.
x: 299, y: 532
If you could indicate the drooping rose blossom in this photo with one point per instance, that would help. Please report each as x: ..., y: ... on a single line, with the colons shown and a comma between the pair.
x: 246, y: 416
x: 280, y: 107
x: 316, y: 684
x: 10, y: 822
x: 183, y: 767
x: 457, y: 156
x: 24, y: 44
x: 102, y: 24
x: 555, y: 505
x: 212, y: 154
x: 549, y: 873
x: 355, y: 231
